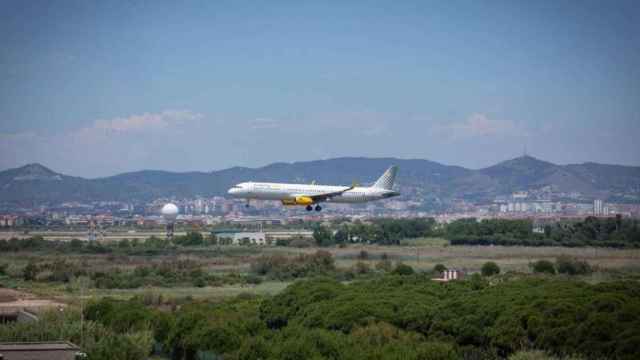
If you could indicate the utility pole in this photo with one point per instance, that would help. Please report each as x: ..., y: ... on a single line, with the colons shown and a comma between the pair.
x: 81, y: 314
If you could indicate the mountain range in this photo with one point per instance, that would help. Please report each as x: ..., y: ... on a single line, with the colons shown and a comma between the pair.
x: 421, y: 180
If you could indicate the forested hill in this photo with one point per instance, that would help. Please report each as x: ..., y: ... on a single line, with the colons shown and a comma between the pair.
x: 417, y: 179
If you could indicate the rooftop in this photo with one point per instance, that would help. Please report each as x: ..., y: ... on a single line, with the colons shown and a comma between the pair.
x: 54, y: 350
x: 37, y: 346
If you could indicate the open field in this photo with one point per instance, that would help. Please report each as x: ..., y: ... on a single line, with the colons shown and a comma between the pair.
x: 221, y: 260
x: 56, y: 294
x: 430, y: 252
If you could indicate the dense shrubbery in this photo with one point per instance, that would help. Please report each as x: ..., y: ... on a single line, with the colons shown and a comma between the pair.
x: 397, y: 317
x: 439, y: 268
x: 194, y: 238
x: 611, y: 232
x: 490, y: 268
x: 378, y: 231
x: 564, y: 265
x: 58, y: 271
x: 99, y: 341
x: 284, y: 268
x: 151, y: 245
x: 543, y: 267
x: 571, y: 266
x: 37, y: 243
x: 403, y: 269
x: 168, y: 274
x: 500, y: 319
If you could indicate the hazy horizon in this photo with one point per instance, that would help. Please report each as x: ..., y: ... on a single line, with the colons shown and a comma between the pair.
x: 97, y: 89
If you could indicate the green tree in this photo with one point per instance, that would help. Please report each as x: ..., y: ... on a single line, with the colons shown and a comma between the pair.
x: 439, y: 268
x: 384, y: 265
x: 361, y: 268
x: 543, y: 267
x: 124, y: 244
x: 570, y: 266
x: 490, y: 268
x: 76, y: 244
x: 403, y: 269
x: 30, y: 271
x: 192, y: 238
x: 322, y: 236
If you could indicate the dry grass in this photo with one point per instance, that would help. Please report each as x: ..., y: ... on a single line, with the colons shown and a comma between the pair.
x: 515, y: 258
x: 423, y: 254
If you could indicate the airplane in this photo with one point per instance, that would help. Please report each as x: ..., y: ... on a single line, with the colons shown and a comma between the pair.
x: 310, y: 195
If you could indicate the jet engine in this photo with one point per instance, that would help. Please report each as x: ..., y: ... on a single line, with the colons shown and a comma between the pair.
x: 298, y: 200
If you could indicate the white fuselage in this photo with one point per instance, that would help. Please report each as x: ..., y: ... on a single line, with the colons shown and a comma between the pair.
x: 285, y: 192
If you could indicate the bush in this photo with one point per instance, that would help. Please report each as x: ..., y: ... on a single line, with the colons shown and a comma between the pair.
x: 284, y: 268
x: 253, y: 279
x: 282, y: 242
x: 543, y: 267
x: 531, y: 355
x: 361, y: 268
x: 571, y: 266
x: 192, y: 238
x: 490, y: 268
x: 384, y: 265
x: 403, y: 269
x: 199, y: 282
x: 439, y: 268
x: 300, y: 243
x: 363, y: 255
x: 323, y: 236
x: 30, y: 271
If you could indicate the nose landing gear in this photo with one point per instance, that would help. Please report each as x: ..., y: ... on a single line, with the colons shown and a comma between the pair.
x: 318, y: 207
x: 309, y: 208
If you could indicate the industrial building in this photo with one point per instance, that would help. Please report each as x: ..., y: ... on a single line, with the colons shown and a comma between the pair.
x: 237, y: 237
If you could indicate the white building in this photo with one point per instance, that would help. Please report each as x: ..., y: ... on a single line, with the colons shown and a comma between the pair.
x: 242, y: 238
x: 597, y: 207
x: 450, y: 275
x: 520, y: 195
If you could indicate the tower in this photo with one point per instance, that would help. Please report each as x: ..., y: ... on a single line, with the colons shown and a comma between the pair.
x: 169, y: 213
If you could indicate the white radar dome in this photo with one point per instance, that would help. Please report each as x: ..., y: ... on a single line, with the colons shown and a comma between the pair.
x: 169, y: 212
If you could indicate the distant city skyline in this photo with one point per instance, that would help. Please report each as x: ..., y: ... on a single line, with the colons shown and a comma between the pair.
x: 95, y: 89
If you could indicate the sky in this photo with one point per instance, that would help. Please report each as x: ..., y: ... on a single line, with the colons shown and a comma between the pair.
x: 96, y: 88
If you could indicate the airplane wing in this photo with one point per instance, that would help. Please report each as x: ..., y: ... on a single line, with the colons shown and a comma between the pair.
x: 329, y: 195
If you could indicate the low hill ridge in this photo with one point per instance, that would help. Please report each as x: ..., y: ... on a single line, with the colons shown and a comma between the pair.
x: 418, y: 179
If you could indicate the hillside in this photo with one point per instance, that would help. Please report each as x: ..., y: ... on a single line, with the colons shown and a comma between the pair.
x: 418, y: 179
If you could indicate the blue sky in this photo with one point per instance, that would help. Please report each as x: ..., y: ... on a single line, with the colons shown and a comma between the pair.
x: 95, y: 88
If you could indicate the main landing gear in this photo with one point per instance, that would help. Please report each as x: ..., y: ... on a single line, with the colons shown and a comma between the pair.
x: 317, y: 208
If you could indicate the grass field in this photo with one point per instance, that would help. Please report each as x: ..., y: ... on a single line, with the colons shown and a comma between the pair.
x: 422, y: 254
x: 471, y: 258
